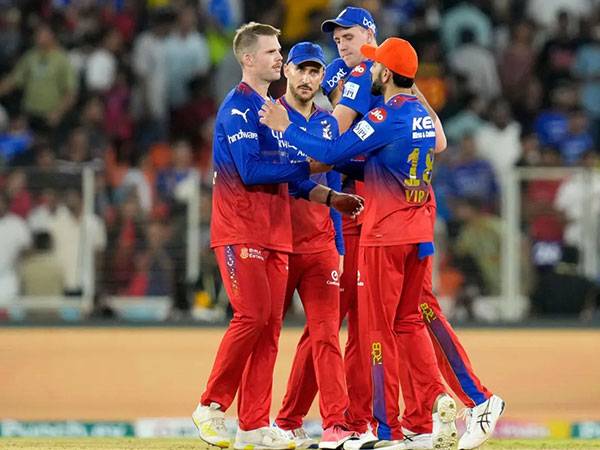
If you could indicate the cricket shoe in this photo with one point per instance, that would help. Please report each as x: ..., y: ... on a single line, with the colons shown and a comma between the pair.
x: 481, y: 421
x: 334, y: 437
x: 300, y: 437
x: 444, y: 435
x: 210, y: 421
x: 368, y: 441
x: 417, y: 441
x: 265, y: 438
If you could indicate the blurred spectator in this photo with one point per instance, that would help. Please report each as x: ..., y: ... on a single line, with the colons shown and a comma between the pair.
x: 168, y: 180
x: 14, y: 239
x: 69, y: 229
x: 10, y: 38
x: 577, y: 198
x: 551, y: 125
x: 47, y: 79
x: 118, y: 121
x: 472, y: 177
x: 92, y: 123
x: 578, y: 140
x: 41, y: 273
x: 431, y: 75
x: 558, y: 55
x: 154, y: 267
x: 480, y: 241
x: 477, y: 64
x: 544, y: 12
x: 465, y: 16
x: 517, y: 62
x: 101, y: 66
x: 20, y: 200
x: 498, y: 140
x: 149, y: 61
x: 587, y: 69
x: 15, y: 141
x: 42, y: 215
x: 467, y: 121
x: 76, y: 152
x: 186, y: 56
x: 564, y: 291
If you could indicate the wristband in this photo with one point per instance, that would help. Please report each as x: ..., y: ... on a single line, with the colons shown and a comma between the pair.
x: 328, y: 199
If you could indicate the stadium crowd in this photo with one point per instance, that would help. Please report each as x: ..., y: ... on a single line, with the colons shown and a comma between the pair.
x: 130, y: 88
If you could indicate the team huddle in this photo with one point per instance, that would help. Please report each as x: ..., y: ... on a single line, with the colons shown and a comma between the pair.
x: 339, y: 207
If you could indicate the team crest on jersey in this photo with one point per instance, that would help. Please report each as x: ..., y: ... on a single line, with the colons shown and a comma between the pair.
x: 327, y: 134
x: 359, y: 70
x: 378, y: 115
x: 244, y: 253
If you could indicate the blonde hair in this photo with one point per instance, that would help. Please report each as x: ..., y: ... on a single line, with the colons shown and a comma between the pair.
x: 246, y: 36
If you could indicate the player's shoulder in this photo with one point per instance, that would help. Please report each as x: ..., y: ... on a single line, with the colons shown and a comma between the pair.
x: 239, y: 102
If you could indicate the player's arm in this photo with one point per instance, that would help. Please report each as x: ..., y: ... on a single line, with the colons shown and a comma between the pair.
x: 440, y: 137
x: 334, y: 181
x: 366, y: 136
x: 353, y: 168
x: 242, y: 136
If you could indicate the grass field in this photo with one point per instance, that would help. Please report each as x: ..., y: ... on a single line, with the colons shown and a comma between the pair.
x: 192, y: 444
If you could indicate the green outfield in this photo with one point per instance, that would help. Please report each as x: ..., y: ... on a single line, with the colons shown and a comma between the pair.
x: 192, y: 444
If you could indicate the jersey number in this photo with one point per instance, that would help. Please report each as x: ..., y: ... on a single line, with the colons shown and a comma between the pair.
x: 416, y: 172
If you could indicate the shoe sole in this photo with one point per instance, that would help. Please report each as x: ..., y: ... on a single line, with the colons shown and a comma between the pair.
x: 447, y: 437
x: 333, y: 445
x: 220, y: 444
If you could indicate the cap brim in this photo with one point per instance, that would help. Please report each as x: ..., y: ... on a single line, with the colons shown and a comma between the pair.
x: 298, y: 61
x: 368, y: 51
x: 329, y: 25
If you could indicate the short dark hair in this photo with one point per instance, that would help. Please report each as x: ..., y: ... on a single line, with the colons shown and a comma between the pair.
x: 42, y: 240
x: 402, y: 81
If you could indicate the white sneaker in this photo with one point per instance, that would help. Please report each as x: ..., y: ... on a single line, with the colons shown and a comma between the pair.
x: 210, y: 421
x: 415, y: 441
x: 262, y: 439
x: 368, y: 441
x: 481, y: 421
x: 300, y: 437
x: 444, y: 435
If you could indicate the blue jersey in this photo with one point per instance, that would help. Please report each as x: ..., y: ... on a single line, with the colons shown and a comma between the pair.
x: 356, y: 93
x: 398, y: 140
x: 315, y: 227
x: 252, y: 166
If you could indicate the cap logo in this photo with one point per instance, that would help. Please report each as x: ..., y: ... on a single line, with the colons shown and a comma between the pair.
x: 359, y: 70
x: 378, y: 115
x: 369, y: 24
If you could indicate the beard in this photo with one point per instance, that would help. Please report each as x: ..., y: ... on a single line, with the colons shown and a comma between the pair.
x: 377, y: 87
x: 302, y: 96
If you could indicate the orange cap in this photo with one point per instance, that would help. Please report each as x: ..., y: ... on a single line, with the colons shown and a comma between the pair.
x: 396, y: 54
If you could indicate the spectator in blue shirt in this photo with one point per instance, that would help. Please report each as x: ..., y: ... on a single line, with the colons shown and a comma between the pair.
x: 578, y: 140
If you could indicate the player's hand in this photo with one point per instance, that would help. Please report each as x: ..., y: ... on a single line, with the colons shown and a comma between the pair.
x: 319, y: 167
x: 275, y: 116
x: 348, y: 204
x: 341, y: 266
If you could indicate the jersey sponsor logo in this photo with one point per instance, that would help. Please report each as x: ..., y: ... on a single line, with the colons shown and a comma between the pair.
x: 359, y: 70
x: 281, y: 142
x: 334, y: 80
x: 350, y: 90
x: 427, y: 312
x: 376, y: 353
x: 242, y: 135
x: 335, y: 279
x: 422, y: 127
x: 416, y: 196
x: 251, y: 253
x: 237, y: 112
x: 363, y: 130
x: 378, y: 115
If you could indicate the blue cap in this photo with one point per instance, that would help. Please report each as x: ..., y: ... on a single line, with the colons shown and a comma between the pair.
x: 350, y: 17
x: 306, y: 51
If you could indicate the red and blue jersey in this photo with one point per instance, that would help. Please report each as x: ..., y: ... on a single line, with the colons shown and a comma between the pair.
x: 398, y: 140
x: 315, y: 227
x: 356, y: 92
x: 252, y: 167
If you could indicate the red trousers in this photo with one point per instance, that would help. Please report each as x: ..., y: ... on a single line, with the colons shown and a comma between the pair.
x: 452, y: 358
x: 318, y: 362
x: 302, y: 384
x: 400, y: 347
x: 255, y: 280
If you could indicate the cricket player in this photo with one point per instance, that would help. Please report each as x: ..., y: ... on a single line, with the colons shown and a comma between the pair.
x: 348, y: 86
x: 314, y: 264
x: 399, y: 142
x: 251, y: 236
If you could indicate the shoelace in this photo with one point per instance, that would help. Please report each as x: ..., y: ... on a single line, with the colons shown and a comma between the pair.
x: 466, y: 414
x: 277, y: 434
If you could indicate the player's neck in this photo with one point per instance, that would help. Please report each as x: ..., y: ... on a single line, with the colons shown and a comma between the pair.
x: 260, y: 86
x: 392, y: 91
x: 304, y: 108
